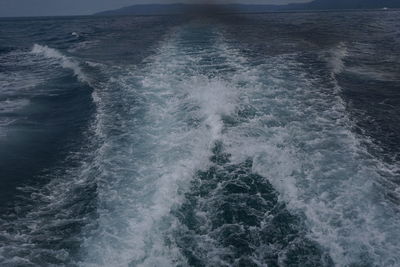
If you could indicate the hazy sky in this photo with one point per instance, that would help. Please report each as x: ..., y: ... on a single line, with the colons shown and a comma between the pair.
x: 15, y: 8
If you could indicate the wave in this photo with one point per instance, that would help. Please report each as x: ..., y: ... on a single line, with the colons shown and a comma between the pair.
x: 199, y: 156
x: 230, y: 215
x: 336, y: 58
x: 189, y: 117
x: 366, y: 73
x: 301, y: 140
x: 40, y: 224
x: 156, y: 136
x: 9, y: 105
x: 64, y: 61
x: 42, y: 215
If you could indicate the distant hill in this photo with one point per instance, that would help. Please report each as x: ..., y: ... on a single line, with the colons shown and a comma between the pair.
x: 167, y: 9
x: 353, y: 4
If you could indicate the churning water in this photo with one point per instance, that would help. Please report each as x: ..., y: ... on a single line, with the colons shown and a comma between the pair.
x: 259, y: 140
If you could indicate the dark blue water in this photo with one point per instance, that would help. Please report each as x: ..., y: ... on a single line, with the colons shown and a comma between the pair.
x: 257, y: 140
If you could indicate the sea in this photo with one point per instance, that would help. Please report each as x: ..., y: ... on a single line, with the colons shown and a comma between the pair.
x: 221, y: 140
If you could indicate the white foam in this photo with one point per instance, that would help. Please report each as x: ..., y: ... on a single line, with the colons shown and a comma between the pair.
x: 301, y: 141
x: 64, y: 61
x: 156, y: 125
x: 336, y: 58
x: 168, y: 136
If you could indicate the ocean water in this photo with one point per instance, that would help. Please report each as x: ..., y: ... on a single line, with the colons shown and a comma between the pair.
x: 251, y: 140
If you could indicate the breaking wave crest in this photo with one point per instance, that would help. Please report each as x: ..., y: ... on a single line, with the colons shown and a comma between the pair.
x: 63, y: 60
x: 336, y: 58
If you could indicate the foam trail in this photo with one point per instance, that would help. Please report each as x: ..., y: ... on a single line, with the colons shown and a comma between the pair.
x: 301, y: 140
x: 169, y: 119
x: 294, y: 131
x: 204, y: 110
x: 229, y: 216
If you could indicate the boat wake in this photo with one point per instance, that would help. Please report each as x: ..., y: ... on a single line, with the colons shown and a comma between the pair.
x: 198, y: 156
